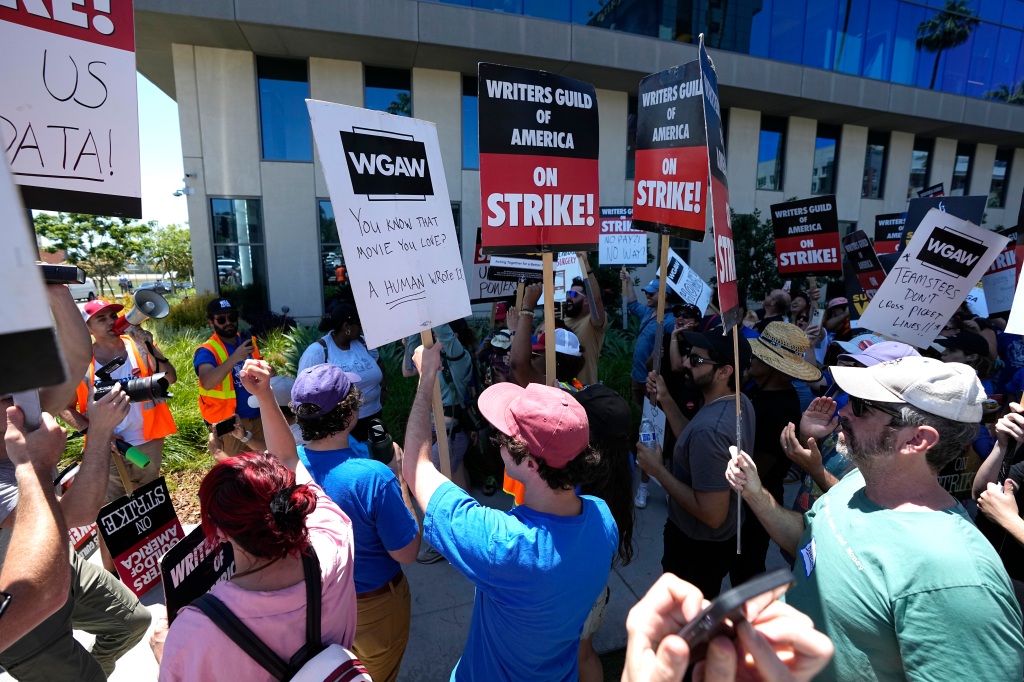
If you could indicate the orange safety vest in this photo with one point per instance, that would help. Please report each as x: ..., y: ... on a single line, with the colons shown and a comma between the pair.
x: 218, y: 404
x: 157, y: 421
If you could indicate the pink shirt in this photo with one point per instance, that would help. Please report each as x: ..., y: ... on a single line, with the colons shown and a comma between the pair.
x: 196, y: 649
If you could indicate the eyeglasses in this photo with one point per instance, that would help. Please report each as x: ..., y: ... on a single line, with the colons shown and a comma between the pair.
x: 571, y: 294
x: 224, y: 319
x: 859, y: 404
x: 698, y: 360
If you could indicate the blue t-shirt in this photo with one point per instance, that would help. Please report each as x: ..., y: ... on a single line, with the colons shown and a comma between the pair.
x: 645, y: 339
x: 369, y: 493
x: 205, y: 356
x: 536, y: 576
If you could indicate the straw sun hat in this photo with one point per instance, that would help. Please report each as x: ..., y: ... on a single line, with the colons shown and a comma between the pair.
x: 782, y: 346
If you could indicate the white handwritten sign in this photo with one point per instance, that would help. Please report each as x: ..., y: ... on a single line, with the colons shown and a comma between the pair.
x: 566, y: 269
x: 483, y: 288
x: 69, y: 115
x: 396, y: 227
x: 618, y: 242
x: 940, y: 266
x: 1015, y: 323
x: 686, y: 283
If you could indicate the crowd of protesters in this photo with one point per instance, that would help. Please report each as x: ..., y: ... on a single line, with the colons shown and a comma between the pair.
x: 903, y: 567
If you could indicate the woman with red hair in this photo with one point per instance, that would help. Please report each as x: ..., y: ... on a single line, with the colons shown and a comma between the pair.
x: 252, y: 501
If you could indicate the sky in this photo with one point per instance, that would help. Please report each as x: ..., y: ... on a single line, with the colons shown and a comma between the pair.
x: 160, y: 145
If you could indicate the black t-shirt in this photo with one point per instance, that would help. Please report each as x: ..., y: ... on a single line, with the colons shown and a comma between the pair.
x: 1009, y: 550
x: 773, y: 410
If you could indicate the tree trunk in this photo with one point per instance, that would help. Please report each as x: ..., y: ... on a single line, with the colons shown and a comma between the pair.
x: 935, y: 69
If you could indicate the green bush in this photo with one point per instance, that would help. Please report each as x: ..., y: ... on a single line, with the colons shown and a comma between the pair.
x: 190, y: 313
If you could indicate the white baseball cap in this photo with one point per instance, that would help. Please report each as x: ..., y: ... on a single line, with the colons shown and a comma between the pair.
x: 944, y: 389
x: 282, y: 388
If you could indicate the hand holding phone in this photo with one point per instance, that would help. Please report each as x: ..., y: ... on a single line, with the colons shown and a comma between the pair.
x: 225, y: 427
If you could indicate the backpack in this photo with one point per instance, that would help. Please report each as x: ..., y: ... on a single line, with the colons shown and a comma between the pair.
x: 313, y: 662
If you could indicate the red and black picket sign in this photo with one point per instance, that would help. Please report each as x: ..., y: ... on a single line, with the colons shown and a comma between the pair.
x: 888, y: 232
x: 671, y: 171
x: 864, y: 262
x: 192, y: 567
x: 138, y: 529
x: 807, y: 236
x: 538, y: 161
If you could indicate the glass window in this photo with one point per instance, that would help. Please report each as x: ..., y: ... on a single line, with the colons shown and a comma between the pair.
x: 284, y: 120
x: 770, y: 152
x: 332, y: 262
x: 962, y: 170
x: 388, y: 90
x: 920, y: 165
x: 874, y: 165
x: 1000, y: 177
x: 631, y: 114
x: 238, y: 244
x: 826, y: 159
x: 470, y: 123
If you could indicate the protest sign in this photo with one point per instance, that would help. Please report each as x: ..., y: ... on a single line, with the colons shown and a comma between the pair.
x: 938, y: 190
x: 864, y: 262
x: 686, y: 283
x: 192, y: 567
x: 939, y: 267
x: 999, y: 281
x: 483, y: 288
x: 26, y: 330
x: 619, y: 243
x: 971, y: 209
x: 721, y: 214
x: 566, y: 269
x: 807, y: 236
x: 69, y: 116
x: 138, y: 529
x: 85, y: 539
x: 957, y: 477
x: 508, y: 269
x: 976, y: 302
x: 888, y: 232
x: 538, y: 161
x: 656, y: 416
x: 671, y: 172
x: 396, y: 230
x: 1015, y: 322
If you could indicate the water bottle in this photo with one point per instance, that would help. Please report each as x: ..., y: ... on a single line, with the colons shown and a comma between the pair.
x: 379, y: 442
x: 648, y: 436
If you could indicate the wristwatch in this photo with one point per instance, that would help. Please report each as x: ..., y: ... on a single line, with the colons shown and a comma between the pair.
x: 247, y: 437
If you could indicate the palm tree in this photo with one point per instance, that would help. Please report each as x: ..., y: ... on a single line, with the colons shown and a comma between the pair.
x: 1011, y: 94
x: 948, y: 29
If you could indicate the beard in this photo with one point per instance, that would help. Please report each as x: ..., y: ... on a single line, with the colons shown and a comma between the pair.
x: 574, y: 307
x: 228, y: 330
x: 864, y: 451
x: 700, y: 382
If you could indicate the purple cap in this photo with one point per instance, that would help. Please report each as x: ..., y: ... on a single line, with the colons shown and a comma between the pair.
x: 877, y: 353
x: 323, y: 385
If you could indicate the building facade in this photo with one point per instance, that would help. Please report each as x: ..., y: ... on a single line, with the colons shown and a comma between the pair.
x: 819, y: 97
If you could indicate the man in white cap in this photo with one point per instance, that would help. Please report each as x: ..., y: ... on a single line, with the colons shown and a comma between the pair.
x: 538, y: 568
x: 889, y: 565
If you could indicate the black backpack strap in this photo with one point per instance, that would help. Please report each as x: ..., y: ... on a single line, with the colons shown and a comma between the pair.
x: 314, y: 643
x: 324, y: 344
x: 241, y: 635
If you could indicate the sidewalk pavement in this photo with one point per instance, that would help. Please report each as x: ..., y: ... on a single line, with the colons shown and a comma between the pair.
x: 442, y: 602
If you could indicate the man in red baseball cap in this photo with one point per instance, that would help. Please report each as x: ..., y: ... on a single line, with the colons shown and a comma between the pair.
x: 538, y: 568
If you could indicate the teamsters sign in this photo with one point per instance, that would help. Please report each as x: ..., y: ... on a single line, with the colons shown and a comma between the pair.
x: 394, y: 217
x: 538, y: 161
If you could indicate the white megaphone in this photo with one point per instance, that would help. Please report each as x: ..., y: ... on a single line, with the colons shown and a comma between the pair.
x: 148, y: 304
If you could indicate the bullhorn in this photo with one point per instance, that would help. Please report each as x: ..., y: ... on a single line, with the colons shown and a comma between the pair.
x: 148, y: 304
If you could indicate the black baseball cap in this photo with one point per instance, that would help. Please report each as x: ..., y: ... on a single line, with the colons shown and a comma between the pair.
x: 220, y: 305
x: 607, y: 412
x: 338, y: 313
x: 686, y: 310
x: 719, y: 347
x: 968, y: 342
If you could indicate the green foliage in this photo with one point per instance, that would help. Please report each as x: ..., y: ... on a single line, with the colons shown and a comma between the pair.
x: 101, y: 246
x: 171, y: 248
x: 401, y: 106
x: 191, y: 312
x: 1011, y: 94
x: 949, y: 28
x: 755, y: 255
x: 295, y: 344
x: 401, y: 390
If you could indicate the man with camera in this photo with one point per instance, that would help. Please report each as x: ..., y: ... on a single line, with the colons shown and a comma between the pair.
x: 148, y: 421
x: 218, y: 363
x: 96, y: 601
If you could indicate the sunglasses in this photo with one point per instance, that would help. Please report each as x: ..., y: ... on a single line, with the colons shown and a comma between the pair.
x: 497, y: 440
x: 224, y: 319
x: 858, y: 405
x: 698, y: 360
x: 571, y: 294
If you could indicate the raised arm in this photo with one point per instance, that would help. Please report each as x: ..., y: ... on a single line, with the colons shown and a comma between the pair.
x: 255, y: 378
x: 75, y: 345
x: 417, y: 468
x: 1009, y: 428
x: 211, y: 376
x: 783, y: 525
x: 593, y: 291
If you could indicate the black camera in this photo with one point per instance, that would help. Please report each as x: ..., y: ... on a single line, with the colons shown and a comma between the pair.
x: 139, y: 389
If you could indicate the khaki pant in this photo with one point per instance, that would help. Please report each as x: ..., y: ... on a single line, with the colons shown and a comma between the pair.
x: 100, y: 604
x: 154, y: 449
x: 232, y: 446
x: 382, y: 631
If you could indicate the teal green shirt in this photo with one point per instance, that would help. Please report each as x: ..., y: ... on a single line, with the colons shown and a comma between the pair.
x: 905, y: 595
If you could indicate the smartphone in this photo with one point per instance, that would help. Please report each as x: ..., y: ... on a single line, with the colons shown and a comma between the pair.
x: 225, y: 427
x: 817, y: 318
x: 744, y: 602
